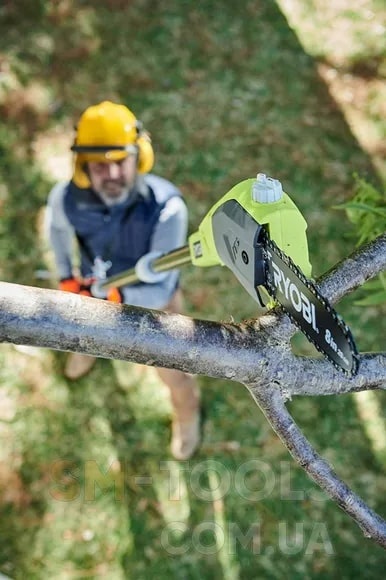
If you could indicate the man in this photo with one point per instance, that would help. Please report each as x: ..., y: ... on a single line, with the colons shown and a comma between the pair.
x: 121, y: 217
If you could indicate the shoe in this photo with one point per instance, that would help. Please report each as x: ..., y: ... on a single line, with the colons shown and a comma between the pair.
x: 78, y: 365
x: 31, y: 351
x: 186, y: 436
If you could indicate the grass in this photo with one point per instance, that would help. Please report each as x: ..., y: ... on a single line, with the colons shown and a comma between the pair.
x: 88, y: 487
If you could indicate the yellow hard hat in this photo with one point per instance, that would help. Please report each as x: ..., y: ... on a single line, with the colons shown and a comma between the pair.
x: 109, y: 132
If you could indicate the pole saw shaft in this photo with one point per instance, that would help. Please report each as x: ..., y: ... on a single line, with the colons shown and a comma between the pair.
x: 169, y: 261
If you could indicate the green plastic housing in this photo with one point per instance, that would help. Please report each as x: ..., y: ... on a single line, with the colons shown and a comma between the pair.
x: 283, y: 220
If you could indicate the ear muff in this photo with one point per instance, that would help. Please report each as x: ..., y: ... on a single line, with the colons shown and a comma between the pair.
x: 80, y: 177
x: 145, y: 153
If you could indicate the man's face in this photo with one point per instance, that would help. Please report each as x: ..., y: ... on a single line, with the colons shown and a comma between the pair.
x: 113, y: 179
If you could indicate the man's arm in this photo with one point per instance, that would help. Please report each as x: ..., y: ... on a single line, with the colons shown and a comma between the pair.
x: 169, y: 234
x: 59, y: 231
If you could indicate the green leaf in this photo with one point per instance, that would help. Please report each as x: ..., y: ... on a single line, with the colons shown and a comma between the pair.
x: 373, y: 299
x: 363, y: 207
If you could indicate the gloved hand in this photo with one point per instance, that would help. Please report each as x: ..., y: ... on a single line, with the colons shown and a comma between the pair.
x: 114, y: 295
x: 84, y: 287
x: 145, y: 272
x: 75, y: 285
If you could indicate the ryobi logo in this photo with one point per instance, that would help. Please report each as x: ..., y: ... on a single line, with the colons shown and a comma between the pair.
x: 299, y: 301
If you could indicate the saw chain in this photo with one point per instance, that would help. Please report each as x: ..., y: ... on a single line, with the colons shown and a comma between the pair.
x: 307, y: 308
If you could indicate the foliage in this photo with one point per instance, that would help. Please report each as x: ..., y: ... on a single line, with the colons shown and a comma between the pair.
x: 367, y: 211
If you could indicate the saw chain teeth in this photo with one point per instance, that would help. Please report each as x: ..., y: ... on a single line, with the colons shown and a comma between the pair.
x: 269, y: 243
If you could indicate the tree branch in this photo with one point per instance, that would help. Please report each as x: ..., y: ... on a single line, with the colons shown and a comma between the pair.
x: 352, y: 272
x: 308, y: 376
x: 363, y: 264
x: 242, y: 352
x: 271, y: 403
x: 69, y: 322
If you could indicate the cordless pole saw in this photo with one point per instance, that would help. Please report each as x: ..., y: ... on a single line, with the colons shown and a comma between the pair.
x: 257, y: 231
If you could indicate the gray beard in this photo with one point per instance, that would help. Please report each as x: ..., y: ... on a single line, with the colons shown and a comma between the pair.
x: 115, y: 200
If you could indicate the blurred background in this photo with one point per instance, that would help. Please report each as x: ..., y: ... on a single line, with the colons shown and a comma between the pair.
x: 292, y: 88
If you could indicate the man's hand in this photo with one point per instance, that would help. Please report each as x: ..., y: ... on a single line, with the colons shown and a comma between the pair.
x: 76, y: 286
x: 115, y: 295
x: 84, y: 287
x: 145, y: 272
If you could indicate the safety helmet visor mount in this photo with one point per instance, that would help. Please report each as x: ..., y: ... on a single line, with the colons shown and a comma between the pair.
x: 104, y: 153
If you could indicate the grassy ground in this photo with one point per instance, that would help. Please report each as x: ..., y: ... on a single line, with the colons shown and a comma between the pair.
x: 88, y: 488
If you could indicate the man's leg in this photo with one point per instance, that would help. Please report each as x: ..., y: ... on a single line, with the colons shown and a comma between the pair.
x: 185, y: 399
x: 78, y: 365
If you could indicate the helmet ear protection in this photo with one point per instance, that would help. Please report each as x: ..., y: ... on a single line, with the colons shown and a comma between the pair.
x: 109, y: 132
x: 145, y: 152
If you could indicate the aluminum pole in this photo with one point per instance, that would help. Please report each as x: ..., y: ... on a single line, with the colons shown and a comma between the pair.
x: 169, y: 261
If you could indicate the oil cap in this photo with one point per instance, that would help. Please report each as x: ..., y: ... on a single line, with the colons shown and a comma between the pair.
x: 266, y: 189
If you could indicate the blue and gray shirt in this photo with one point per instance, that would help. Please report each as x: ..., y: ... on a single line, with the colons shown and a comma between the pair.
x: 152, y: 219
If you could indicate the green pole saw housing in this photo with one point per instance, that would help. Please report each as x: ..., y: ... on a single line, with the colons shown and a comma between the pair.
x: 241, y: 219
x: 283, y: 220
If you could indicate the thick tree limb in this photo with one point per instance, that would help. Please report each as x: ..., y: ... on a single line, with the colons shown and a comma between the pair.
x: 257, y: 354
x: 64, y: 321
